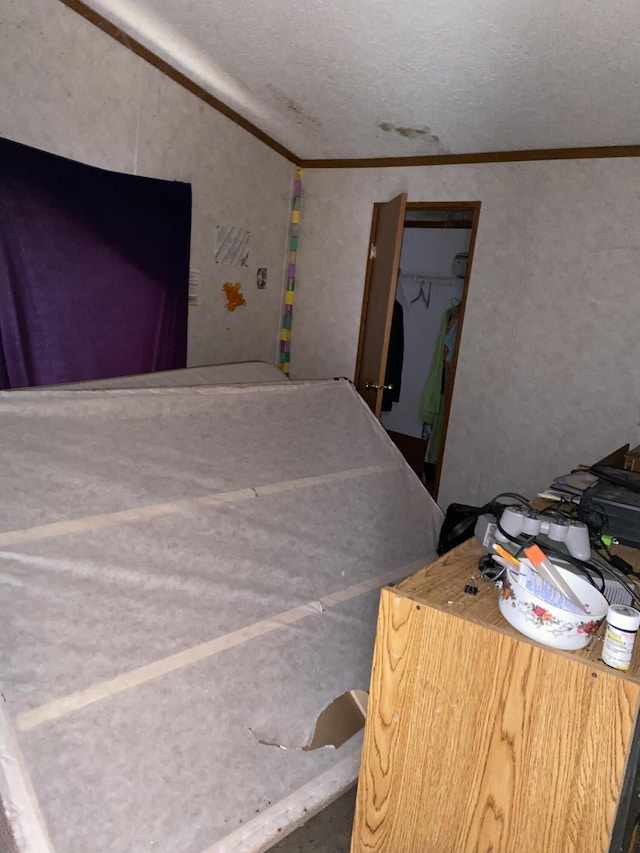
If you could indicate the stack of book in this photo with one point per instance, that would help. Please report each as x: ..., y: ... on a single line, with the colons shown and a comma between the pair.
x: 569, y: 487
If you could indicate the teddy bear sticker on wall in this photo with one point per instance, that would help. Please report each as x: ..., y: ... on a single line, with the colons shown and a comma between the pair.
x: 234, y: 295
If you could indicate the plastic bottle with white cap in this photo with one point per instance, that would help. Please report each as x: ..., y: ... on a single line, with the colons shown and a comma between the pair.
x: 622, y: 627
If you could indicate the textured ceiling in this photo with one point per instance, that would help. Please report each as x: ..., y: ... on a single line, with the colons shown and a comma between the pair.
x: 390, y: 78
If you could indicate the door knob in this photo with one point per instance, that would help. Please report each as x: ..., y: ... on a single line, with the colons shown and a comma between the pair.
x: 374, y: 387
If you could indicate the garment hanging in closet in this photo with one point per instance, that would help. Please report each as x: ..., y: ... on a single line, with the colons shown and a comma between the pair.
x: 431, y: 410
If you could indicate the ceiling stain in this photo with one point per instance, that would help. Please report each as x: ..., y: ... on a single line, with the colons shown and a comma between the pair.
x: 293, y: 109
x: 407, y: 132
x: 413, y: 133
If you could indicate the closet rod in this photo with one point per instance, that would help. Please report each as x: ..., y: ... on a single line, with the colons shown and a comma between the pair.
x: 425, y: 279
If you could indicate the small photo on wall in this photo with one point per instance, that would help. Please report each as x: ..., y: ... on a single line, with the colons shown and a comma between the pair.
x: 261, y: 278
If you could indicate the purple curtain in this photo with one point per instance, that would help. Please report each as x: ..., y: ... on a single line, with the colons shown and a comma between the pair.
x: 94, y: 270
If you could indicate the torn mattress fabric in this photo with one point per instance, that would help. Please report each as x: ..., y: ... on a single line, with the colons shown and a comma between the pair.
x: 187, y: 577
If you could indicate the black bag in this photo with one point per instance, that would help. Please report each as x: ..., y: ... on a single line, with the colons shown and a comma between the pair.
x: 458, y: 525
x: 460, y: 519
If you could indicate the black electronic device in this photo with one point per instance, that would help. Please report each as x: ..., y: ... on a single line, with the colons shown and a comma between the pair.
x: 618, y: 504
x: 618, y: 477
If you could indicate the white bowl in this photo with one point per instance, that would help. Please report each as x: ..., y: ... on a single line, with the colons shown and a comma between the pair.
x: 527, y: 613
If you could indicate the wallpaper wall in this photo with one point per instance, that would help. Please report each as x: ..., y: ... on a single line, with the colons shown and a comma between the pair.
x: 72, y: 90
x: 549, y: 374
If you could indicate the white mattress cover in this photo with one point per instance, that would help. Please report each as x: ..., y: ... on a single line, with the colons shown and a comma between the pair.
x: 185, y: 572
x: 233, y: 373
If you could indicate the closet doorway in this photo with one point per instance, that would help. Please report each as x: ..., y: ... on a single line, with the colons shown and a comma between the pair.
x: 416, y: 287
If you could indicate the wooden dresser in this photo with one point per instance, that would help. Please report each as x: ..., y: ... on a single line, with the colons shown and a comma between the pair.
x: 478, y: 739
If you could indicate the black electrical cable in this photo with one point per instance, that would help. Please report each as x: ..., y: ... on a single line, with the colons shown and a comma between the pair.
x: 594, y: 516
x: 617, y: 573
x: 582, y: 566
x: 518, y: 498
x: 596, y: 523
x: 490, y: 570
x: 619, y: 578
x: 517, y: 540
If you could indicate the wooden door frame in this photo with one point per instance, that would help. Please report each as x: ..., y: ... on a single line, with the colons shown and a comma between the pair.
x: 367, y: 286
x: 426, y: 205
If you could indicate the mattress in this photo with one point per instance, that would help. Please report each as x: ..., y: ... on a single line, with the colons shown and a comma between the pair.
x: 209, y: 374
x: 188, y: 577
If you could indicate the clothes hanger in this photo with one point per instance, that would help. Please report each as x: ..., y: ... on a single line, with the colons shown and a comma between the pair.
x: 425, y: 299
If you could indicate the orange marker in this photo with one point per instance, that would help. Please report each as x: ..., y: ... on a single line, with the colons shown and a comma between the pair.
x: 506, y: 555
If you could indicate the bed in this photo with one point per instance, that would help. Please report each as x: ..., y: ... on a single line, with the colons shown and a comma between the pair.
x: 233, y: 373
x: 189, y: 576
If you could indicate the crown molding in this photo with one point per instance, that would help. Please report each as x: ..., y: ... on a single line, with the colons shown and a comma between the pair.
x: 528, y: 155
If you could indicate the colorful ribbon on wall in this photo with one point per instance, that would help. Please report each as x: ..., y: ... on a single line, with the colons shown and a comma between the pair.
x: 287, y: 316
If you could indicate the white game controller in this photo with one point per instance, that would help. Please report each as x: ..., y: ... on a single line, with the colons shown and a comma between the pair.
x: 574, y: 534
